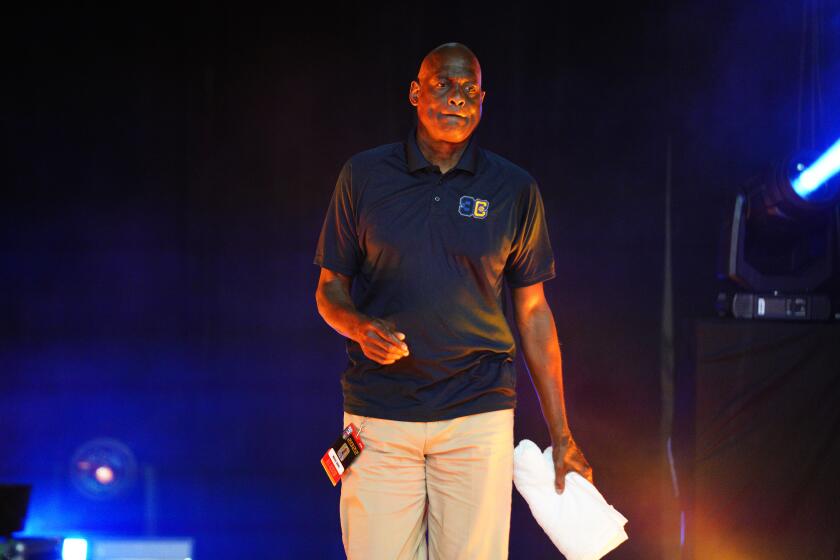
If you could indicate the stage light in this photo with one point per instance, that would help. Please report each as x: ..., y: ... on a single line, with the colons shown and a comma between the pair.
x: 816, y: 176
x: 779, y: 246
x: 104, y: 474
x: 802, y: 187
x: 103, y: 468
x: 74, y: 549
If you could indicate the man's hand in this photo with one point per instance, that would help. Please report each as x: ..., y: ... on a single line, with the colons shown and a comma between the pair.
x: 568, y: 457
x: 381, y: 341
x: 379, y: 338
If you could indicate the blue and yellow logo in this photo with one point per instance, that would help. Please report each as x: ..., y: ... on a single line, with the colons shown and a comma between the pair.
x: 473, y: 207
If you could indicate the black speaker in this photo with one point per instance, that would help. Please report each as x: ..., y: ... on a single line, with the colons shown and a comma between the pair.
x: 765, y: 439
x: 14, y: 503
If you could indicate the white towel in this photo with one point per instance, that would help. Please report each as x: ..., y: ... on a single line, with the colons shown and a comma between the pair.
x: 580, y: 523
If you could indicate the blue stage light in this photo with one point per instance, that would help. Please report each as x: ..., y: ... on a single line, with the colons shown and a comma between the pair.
x: 818, y: 173
x: 74, y: 549
x: 103, y: 468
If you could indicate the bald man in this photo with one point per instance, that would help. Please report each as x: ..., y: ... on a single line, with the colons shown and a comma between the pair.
x: 425, y: 233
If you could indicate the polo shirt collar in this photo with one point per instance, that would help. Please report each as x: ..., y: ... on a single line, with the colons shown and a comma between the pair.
x: 416, y: 160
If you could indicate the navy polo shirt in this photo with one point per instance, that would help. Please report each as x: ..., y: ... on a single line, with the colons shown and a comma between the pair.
x: 430, y: 252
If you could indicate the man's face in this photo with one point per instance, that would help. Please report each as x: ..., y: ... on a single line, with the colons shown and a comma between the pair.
x: 448, y: 96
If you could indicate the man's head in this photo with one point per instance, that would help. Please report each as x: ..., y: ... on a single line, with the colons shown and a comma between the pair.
x: 447, y: 93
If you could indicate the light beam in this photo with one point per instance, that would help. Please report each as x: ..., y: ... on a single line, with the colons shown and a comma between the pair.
x: 818, y: 173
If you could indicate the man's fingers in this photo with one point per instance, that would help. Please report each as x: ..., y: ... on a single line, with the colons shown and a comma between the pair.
x: 578, y: 465
x: 391, y: 343
x: 583, y: 470
x: 560, y: 479
x: 383, y: 343
x: 568, y: 458
x: 585, y: 473
x: 378, y: 340
x: 396, y: 338
x: 378, y: 350
x: 380, y: 358
x: 390, y: 332
x: 384, y: 355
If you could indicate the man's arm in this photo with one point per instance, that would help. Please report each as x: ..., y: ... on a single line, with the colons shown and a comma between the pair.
x: 542, y: 355
x: 379, y: 339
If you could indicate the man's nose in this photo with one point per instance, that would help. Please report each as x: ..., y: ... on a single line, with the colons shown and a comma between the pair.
x: 457, y: 101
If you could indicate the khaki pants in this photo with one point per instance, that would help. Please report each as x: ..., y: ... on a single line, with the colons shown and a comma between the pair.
x: 452, y: 477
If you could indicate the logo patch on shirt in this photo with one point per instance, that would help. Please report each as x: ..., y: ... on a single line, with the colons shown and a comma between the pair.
x: 473, y: 207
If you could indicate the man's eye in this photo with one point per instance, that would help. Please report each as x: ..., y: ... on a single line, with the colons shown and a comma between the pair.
x: 440, y: 84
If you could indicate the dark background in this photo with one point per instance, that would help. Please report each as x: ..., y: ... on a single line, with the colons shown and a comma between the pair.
x: 165, y: 176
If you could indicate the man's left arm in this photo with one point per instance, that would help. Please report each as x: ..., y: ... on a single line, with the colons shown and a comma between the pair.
x: 541, y: 349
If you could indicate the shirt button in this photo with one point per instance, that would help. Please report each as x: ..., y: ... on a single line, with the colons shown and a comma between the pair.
x: 437, y: 199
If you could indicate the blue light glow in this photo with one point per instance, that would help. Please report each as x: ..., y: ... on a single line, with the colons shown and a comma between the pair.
x: 74, y: 549
x: 826, y: 166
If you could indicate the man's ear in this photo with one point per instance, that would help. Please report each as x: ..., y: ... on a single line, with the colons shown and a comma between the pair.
x: 413, y: 93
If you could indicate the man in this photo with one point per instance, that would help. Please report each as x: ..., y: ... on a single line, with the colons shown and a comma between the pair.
x: 427, y: 230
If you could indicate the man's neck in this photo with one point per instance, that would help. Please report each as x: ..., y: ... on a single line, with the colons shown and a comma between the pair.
x: 443, y: 154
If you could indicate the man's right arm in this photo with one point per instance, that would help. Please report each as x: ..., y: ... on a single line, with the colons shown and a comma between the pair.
x: 378, y: 338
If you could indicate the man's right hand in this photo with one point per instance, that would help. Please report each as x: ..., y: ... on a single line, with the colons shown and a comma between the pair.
x: 381, y: 341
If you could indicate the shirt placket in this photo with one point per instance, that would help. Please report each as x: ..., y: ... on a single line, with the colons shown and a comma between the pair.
x: 436, y: 200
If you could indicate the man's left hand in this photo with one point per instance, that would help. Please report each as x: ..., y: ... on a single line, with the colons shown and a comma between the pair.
x: 568, y: 457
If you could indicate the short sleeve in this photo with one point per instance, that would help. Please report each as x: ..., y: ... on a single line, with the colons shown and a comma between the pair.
x: 531, y: 258
x: 338, y: 245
